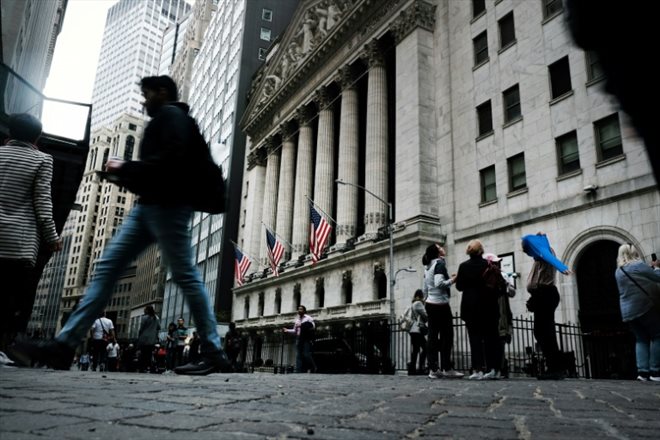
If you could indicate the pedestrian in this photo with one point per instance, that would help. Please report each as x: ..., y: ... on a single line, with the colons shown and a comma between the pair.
x: 418, y: 331
x: 233, y: 344
x: 303, y: 328
x: 480, y: 311
x: 436, y: 289
x: 84, y: 361
x: 102, y: 332
x: 193, y: 352
x: 112, y: 360
x: 167, y: 178
x: 544, y: 299
x: 181, y: 337
x: 170, y: 346
x: 147, y: 338
x: 26, y: 219
x: 639, y: 298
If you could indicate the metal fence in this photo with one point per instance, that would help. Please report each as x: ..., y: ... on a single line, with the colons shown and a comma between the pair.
x: 366, y: 347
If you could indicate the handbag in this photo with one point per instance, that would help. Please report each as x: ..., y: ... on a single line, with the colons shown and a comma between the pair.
x: 654, y: 300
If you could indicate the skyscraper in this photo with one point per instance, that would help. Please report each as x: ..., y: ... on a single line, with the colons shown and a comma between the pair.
x: 130, y: 50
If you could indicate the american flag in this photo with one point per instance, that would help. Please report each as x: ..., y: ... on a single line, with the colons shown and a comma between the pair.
x: 241, y: 266
x: 319, y: 234
x: 275, y: 251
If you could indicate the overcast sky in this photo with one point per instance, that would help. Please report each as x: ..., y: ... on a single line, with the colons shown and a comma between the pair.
x: 74, y: 65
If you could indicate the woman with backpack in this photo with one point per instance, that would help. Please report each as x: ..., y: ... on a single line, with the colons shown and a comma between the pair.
x: 480, y: 311
x: 418, y: 331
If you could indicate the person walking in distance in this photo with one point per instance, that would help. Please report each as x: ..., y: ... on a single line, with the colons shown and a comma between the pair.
x: 102, y: 332
x: 181, y: 336
x: 437, y: 283
x: 147, y: 338
x: 418, y: 331
x: 233, y: 344
x: 544, y: 299
x: 26, y: 219
x: 112, y: 359
x: 303, y: 328
x: 167, y: 179
x: 639, y: 298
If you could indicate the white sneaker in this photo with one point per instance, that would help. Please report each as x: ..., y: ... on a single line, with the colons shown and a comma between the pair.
x: 491, y: 375
x: 452, y: 374
x: 4, y: 359
x: 435, y: 374
x: 654, y: 378
x: 643, y: 378
x: 477, y: 375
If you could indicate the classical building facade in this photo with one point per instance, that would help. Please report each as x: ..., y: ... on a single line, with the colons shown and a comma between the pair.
x: 471, y: 119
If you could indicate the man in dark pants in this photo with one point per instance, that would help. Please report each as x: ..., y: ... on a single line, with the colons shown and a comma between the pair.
x: 168, y: 178
x: 544, y: 300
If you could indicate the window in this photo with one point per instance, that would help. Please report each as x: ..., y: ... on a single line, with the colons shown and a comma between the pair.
x: 517, y: 178
x: 266, y: 14
x: 265, y: 34
x: 480, y: 43
x: 130, y: 145
x: 594, y: 66
x: 485, y: 118
x: 478, y: 7
x: 260, y: 304
x: 511, y: 101
x: 608, y: 137
x: 132, y: 127
x: 507, y: 30
x: 488, y: 188
x: 278, y: 301
x: 262, y: 54
x: 568, y: 157
x: 552, y: 7
x: 560, y: 78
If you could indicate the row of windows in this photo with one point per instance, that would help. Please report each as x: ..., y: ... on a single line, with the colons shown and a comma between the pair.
x: 608, y: 146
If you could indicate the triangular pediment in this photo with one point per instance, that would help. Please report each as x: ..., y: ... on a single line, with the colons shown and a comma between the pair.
x: 313, y: 22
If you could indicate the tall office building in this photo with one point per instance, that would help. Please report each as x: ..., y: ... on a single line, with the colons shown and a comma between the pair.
x: 131, y: 49
x: 235, y: 43
x: 469, y: 120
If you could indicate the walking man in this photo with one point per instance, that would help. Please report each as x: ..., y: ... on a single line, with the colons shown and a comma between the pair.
x: 303, y: 328
x: 166, y: 177
x: 147, y: 338
x: 102, y: 333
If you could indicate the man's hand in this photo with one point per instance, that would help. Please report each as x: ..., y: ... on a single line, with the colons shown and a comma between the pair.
x: 55, y: 246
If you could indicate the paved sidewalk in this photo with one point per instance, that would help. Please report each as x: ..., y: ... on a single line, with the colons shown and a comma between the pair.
x: 45, y: 404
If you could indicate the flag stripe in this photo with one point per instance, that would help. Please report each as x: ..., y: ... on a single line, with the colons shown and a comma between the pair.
x: 319, y: 234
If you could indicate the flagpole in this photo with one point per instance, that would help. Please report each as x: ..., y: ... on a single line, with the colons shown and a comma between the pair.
x: 319, y: 208
x: 278, y: 235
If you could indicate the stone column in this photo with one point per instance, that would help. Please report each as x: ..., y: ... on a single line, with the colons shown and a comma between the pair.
x: 376, y: 158
x: 285, y: 188
x: 325, y: 153
x: 303, y: 186
x: 254, y: 205
x: 347, y: 196
x: 271, y: 147
x: 421, y: 137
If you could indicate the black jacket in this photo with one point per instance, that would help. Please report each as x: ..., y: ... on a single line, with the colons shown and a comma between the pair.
x: 477, y: 298
x: 170, y: 151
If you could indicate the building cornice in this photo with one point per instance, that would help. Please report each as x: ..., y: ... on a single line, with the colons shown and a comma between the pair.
x: 420, y: 14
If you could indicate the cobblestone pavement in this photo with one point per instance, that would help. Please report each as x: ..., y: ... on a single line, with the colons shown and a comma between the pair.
x: 45, y: 404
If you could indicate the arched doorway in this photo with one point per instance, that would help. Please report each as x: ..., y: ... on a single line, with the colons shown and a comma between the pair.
x: 608, y: 343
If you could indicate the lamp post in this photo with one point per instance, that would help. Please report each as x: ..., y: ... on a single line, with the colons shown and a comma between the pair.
x: 389, y: 229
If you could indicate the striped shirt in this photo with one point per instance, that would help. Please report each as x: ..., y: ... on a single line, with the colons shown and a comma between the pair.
x: 26, y: 208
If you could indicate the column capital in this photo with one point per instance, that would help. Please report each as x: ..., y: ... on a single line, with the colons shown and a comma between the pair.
x: 323, y: 98
x: 304, y: 115
x: 373, y: 53
x: 257, y: 157
x: 270, y: 145
x: 288, y: 130
x: 346, y: 77
x: 419, y: 14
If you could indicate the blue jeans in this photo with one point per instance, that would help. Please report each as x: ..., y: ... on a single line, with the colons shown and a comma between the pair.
x: 647, y: 347
x: 145, y: 225
x: 304, y: 359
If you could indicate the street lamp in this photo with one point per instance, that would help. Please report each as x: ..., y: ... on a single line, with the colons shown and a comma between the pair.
x: 404, y: 269
x: 390, y: 230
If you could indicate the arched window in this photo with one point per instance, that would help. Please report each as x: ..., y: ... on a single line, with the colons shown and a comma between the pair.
x: 347, y: 287
x: 130, y: 146
x: 106, y: 153
x: 296, y: 296
x: 246, y: 309
x: 320, y: 293
x: 260, y: 304
x: 278, y: 301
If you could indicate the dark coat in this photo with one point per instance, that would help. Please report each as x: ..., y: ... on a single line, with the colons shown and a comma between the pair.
x: 477, y: 299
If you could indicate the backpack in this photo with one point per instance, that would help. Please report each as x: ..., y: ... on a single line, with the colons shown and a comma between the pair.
x: 307, y: 332
x: 492, y: 276
x: 208, y: 181
x: 405, y: 320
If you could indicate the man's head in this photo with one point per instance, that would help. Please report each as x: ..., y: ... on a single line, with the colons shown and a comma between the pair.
x: 180, y: 322
x: 157, y: 91
x: 474, y: 248
x: 302, y: 310
x: 24, y: 127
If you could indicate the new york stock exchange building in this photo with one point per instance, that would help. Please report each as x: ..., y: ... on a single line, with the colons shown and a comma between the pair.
x: 469, y: 119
